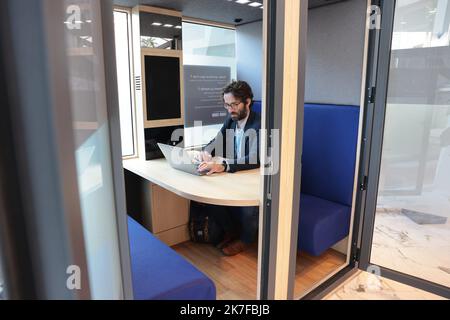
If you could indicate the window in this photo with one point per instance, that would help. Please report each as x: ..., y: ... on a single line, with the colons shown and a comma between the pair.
x: 209, y: 58
x: 209, y: 45
x: 125, y: 90
x: 421, y: 24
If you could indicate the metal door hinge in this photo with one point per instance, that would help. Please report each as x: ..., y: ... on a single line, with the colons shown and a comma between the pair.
x: 372, y: 93
x: 357, y: 255
x: 363, y: 185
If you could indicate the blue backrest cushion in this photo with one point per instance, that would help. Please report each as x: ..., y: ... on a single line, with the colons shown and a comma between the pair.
x: 329, y: 151
x: 257, y: 106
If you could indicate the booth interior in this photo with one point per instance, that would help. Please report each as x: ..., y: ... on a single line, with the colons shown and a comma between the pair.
x: 171, y: 70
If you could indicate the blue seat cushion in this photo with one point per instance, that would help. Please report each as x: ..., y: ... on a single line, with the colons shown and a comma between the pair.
x: 322, y: 224
x: 159, y: 273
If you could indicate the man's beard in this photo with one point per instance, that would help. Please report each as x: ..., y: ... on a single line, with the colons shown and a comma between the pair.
x: 240, y: 115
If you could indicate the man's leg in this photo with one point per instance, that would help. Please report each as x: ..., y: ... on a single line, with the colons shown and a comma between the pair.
x: 247, y: 219
x: 223, y: 218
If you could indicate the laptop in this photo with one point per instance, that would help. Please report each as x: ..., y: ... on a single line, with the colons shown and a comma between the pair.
x: 180, y: 159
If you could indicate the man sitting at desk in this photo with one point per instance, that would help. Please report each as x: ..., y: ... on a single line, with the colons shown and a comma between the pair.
x: 235, y: 148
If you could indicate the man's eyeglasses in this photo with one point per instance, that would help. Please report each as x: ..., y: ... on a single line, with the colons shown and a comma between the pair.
x: 233, y: 105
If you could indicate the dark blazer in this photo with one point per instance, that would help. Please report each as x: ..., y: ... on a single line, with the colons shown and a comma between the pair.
x: 223, y: 144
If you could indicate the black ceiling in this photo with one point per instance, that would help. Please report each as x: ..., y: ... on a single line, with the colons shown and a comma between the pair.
x: 223, y: 11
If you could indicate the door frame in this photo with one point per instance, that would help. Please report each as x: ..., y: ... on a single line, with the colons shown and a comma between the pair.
x: 112, y: 99
x: 283, y: 101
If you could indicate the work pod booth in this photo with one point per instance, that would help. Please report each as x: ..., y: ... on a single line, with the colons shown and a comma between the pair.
x: 353, y: 101
x: 361, y: 107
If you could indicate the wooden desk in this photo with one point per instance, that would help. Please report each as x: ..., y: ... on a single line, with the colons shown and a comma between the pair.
x: 165, y: 194
x: 240, y: 189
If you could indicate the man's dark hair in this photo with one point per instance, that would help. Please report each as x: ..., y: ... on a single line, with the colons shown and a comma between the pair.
x: 241, y: 90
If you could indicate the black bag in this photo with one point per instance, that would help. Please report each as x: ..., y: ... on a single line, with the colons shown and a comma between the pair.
x: 203, y: 226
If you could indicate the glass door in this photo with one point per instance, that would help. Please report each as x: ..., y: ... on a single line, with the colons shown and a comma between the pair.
x: 62, y: 217
x: 97, y: 159
x: 406, y: 233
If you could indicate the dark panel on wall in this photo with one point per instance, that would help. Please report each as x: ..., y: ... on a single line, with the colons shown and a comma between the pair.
x: 134, y: 187
x: 163, y: 135
x: 162, y: 82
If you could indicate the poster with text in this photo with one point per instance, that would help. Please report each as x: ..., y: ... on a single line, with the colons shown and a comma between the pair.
x: 203, y: 87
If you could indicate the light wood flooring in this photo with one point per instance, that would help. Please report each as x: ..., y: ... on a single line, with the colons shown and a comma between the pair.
x: 235, y: 277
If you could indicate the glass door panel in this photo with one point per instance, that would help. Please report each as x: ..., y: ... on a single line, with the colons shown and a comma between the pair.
x: 412, y: 221
x: 84, y: 44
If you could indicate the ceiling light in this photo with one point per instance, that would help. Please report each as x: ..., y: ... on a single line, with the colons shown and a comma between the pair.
x: 255, y: 4
x: 242, y: 1
x: 168, y: 25
x: 178, y: 27
x: 156, y: 24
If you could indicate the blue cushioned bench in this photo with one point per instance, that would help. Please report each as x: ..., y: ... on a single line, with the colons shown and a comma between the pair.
x: 257, y: 106
x: 159, y: 273
x: 328, y: 164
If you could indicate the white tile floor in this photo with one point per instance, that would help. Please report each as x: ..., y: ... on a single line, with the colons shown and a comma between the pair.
x: 365, y: 286
x: 400, y: 244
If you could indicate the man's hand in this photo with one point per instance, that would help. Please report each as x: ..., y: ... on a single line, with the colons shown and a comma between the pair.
x: 203, y: 156
x: 211, y: 168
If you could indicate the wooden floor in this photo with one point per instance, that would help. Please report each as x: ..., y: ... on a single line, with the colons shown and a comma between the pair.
x: 235, y: 277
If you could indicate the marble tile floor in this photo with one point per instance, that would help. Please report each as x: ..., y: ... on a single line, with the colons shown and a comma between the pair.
x: 412, y: 236
x: 366, y: 286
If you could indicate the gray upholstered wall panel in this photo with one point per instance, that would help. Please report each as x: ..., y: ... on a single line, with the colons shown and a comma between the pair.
x: 249, y: 50
x: 335, y: 53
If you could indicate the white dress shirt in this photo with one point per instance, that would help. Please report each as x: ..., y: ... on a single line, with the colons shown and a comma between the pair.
x: 239, y: 137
